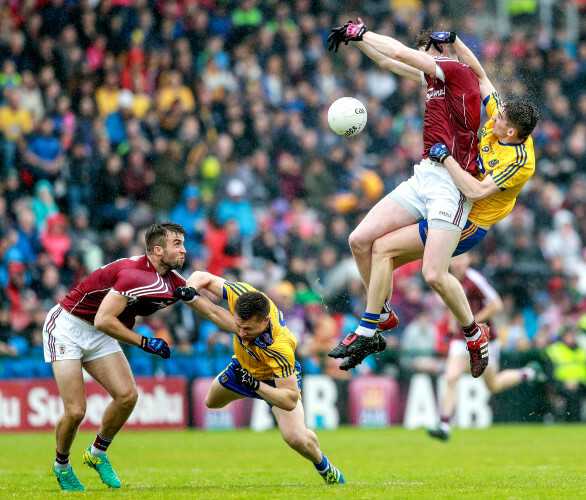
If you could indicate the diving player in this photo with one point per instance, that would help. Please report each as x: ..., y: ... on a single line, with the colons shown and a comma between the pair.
x: 263, y: 365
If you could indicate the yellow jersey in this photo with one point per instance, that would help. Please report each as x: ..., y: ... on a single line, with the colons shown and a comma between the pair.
x: 15, y: 123
x: 270, y: 356
x: 510, y: 165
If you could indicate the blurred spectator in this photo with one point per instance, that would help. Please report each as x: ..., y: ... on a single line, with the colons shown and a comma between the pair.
x: 44, y: 156
x: 16, y: 121
x: 191, y: 214
x: 55, y: 239
x: 43, y: 204
x: 237, y: 207
x: 566, y: 368
x: 21, y: 296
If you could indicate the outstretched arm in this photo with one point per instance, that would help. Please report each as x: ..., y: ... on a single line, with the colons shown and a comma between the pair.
x: 385, y: 62
x: 466, y: 56
x: 219, y: 316
x: 396, y: 51
x: 210, y: 282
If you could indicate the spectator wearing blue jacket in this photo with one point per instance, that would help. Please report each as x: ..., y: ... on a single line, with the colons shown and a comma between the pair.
x: 44, y: 155
x: 192, y: 216
x: 236, y: 207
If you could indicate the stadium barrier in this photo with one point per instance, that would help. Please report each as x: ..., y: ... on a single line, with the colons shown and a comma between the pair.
x: 370, y: 401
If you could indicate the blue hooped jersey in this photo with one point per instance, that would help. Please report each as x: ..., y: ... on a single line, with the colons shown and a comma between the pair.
x: 510, y: 165
x: 272, y: 354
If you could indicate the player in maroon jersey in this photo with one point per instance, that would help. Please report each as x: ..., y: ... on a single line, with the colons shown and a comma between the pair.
x: 485, y: 303
x: 452, y: 113
x: 84, y: 329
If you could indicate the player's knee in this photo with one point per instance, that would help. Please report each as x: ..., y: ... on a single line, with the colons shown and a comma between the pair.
x: 75, y: 413
x: 358, y: 242
x: 432, y: 277
x: 383, y: 249
x: 128, y: 398
x: 296, y: 439
x: 211, y: 403
x: 452, y: 379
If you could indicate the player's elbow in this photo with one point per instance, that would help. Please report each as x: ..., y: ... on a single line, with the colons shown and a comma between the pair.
x: 290, y: 405
x: 498, y: 305
x: 474, y: 197
x: 478, y: 193
x: 101, y: 322
x: 400, y: 54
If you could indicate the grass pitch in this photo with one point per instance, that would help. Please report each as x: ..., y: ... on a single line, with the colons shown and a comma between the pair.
x: 520, y: 461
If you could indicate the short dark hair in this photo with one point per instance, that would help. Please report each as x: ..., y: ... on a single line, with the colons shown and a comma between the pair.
x: 156, y: 234
x: 422, y: 37
x: 522, y: 115
x: 252, y: 304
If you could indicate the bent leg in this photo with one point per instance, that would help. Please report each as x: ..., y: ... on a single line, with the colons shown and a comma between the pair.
x: 296, y: 434
x: 218, y: 396
x: 456, y: 366
x: 389, y: 252
x: 71, y: 386
x: 113, y: 373
x: 386, y: 216
x: 438, y: 252
x: 499, y: 381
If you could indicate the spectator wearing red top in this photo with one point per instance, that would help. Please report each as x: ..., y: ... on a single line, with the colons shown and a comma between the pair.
x: 55, y: 239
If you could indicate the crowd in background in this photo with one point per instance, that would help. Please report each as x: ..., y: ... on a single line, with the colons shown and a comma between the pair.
x: 213, y: 114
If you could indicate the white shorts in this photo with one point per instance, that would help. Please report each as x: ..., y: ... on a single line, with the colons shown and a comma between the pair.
x: 431, y: 192
x: 458, y: 348
x: 68, y: 337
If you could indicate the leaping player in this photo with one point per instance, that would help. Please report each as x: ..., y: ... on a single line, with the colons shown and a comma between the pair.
x: 452, y: 117
x: 506, y: 162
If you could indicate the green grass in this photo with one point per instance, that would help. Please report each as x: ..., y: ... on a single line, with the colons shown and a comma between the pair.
x: 520, y: 461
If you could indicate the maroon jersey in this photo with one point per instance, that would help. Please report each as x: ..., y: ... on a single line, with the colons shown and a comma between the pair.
x: 452, y: 112
x: 479, y: 292
x: 135, y: 278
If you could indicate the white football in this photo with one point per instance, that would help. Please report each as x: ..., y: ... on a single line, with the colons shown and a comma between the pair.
x: 347, y: 116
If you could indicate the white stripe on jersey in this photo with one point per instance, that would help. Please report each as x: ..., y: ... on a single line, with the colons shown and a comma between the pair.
x: 157, y: 286
x: 85, y: 295
x: 483, y: 285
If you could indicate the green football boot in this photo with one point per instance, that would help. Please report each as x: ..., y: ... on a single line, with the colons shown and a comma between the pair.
x: 333, y: 475
x: 67, y: 479
x: 102, y: 465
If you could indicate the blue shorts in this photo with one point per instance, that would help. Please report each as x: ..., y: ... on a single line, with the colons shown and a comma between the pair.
x: 228, y: 380
x: 470, y: 237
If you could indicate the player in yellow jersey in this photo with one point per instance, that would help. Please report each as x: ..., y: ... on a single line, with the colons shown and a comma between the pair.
x: 506, y: 161
x: 263, y: 365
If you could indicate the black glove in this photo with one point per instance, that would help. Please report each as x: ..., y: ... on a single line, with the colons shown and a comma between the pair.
x: 439, y: 152
x: 437, y: 38
x: 185, y: 293
x: 155, y: 346
x: 337, y: 36
x: 245, y: 379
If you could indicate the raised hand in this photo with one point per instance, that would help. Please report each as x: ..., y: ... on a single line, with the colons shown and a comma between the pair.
x: 336, y: 37
x: 155, y: 346
x: 354, y: 31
